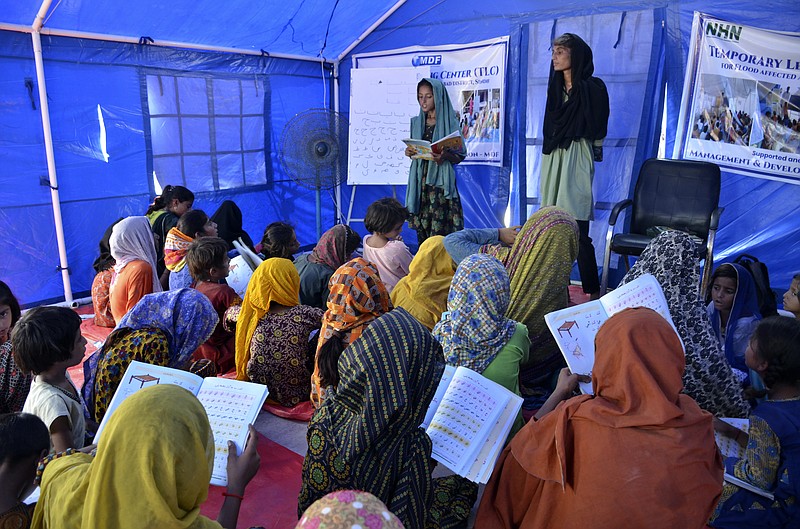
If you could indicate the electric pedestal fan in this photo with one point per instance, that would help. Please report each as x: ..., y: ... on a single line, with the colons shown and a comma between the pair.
x: 314, y: 152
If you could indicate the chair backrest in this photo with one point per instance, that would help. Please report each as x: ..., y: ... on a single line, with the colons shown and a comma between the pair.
x: 680, y: 194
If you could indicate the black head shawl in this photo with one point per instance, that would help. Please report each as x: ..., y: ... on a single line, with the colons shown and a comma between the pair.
x: 585, y: 113
x: 105, y: 261
x: 229, y: 224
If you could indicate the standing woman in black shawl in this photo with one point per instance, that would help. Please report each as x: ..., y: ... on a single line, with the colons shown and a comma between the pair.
x: 575, y: 123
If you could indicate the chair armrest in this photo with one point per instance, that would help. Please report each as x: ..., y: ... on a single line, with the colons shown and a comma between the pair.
x: 715, y: 215
x: 617, y: 209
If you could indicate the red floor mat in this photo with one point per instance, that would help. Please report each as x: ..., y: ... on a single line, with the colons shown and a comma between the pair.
x: 271, y: 498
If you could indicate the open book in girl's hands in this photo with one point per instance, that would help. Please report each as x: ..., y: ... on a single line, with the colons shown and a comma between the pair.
x: 468, y: 421
x: 425, y: 149
x: 729, y: 447
x: 574, y: 328
x: 231, y: 405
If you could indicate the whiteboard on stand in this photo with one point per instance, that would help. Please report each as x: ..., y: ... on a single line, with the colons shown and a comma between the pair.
x: 382, y: 103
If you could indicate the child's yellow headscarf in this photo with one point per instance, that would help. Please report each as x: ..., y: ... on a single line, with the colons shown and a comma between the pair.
x: 275, y: 279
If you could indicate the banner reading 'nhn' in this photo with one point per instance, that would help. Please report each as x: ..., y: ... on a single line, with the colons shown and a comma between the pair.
x: 741, y: 101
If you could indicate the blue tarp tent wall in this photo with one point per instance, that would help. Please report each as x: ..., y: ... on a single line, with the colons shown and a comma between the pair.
x: 122, y: 111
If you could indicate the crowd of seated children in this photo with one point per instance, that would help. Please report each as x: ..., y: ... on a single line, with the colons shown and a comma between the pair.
x: 14, y: 383
x: 366, y: 435
x: 47, y: 341
x: 164, y: 329
x: 104, y: 273
x: 333, y: 249
x: 24, y: 440
x: 279, y: 240
x: 228, y: 220
x: 771, y: 458
x: 423, y: 292
x: 151, y: 469
x: 163, y: 215
x: 192, y: 225
x: 475, y: 298
x: 207, y: 260
x: 733, y: 311
x: 384, y: 247
x: 791, y: 298
x: 357, y: 297
x: 273, y: 332
x: 135, y: 265
x: 674, y: 260
x: 599, y: 460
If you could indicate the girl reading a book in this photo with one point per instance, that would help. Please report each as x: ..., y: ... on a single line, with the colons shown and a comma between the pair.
x: 423, y: 292
x: 599, y: 460
x: 163, y: 329
x: 151, y: 469
x: 357, y: 297
x: 673, y: 259
x: 772, y: 458
x: 366, y: 436
x: 475, y: 331
x: 432, y: 195
x: 538, y: 264
x: 272, y: 332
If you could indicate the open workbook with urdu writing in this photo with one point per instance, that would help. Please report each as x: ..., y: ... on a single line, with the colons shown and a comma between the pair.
x: 231, y: 405
x: 425, y: 149
x: 574, y: 328
x: 468, y: 421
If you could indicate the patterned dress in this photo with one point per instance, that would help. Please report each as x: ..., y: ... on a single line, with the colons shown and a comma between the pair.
x: 771, y: 462
x: 147, y: 345
x: 280, y: 351
x: 366, y: 436
x: 673, y: 259
x: 14, y: 384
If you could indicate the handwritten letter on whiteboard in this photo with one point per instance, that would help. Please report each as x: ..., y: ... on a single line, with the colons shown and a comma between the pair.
x: 382, y: 103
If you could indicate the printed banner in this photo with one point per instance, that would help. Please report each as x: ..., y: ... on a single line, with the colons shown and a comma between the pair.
x: 741, y: 100
x: 474, y: 75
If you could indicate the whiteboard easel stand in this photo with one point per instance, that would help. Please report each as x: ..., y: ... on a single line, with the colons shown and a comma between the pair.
x: 353, y: 199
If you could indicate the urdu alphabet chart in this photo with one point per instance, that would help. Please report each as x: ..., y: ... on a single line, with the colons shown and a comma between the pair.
x: 465, y: 412
x: 230, y: 408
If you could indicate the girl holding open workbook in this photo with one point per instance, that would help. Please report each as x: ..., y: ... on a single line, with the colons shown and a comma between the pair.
x: 432, y: 197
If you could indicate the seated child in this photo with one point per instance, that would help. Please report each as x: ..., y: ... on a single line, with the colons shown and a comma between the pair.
x: 134, y: 253
x: 23, y: 441
x: 279, y: 240
x: 192, y: 225
x: 791, y: 298
x: 734, y: 314
x: 14, y: 384
x: 47, y: 341
x: 208, y: 261
x: 385, y: 248
x: 772, y: 457
x: 333, y: 250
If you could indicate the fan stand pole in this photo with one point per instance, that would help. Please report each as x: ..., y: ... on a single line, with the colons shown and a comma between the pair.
x: 318, y: 196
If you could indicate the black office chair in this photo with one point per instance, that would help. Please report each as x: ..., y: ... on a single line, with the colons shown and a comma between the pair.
x: 678, y: 194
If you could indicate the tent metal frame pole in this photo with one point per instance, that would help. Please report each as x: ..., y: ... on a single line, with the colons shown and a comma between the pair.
x: 48, y: 145
x: 370, y: 29
x: 338, y: 190
x: 162, y: 43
